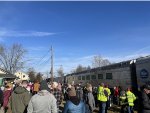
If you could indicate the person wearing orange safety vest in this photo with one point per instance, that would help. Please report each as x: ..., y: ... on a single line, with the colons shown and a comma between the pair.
x: 130, y: 98
x: 102, y: 98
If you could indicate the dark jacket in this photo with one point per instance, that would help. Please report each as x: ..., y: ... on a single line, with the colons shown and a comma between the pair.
x: 19, y: 100
x: 1, y: 97
x: 145, y: 103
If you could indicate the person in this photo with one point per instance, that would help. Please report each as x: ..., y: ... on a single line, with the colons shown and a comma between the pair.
x: 43, y: 101
x: 130, y: 98
x: 90, y: 101
x: 145, y: 99
x: 102, y: 98
x: 7, y: 94
x: 116, y: 95
x: 123, y: 101
x: 1, y: 98
x: 108, y: 97
x: 74, y: 105
x: 57, y: 93
x: 79, y: 92
x: 36, y: 86
x: 95, y: 96
x: 20, y: 98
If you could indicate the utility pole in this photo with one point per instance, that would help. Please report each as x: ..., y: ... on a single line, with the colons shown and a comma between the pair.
x: 52, y: 76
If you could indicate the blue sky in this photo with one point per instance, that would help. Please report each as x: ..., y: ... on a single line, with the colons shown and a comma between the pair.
x: 76, y: 30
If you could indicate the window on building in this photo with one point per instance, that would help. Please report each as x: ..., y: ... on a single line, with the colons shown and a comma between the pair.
x: 24, y: 76
x: 79, y: 77
x: 109, y: 76
x: 88, y: 77
x: 93, y: 77
x: 83, y: 77
x: 100, y: 76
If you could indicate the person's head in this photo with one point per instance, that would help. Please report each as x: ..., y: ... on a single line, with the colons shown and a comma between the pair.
x: 69, y: 85
x: 72, y: 92
x: 106, y: 86
x: 43, y: 85
x: 24, y: 83
x: 89, y: 87
x: 8, y: 86
x: 102, y: 84
x: 147, y: 88
x: 54, y: 85
x: 129, y: 89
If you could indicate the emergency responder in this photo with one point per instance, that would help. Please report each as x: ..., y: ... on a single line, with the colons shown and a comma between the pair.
x: 130, y: 98
x: 123, y: 101
x: 108, y: 97
x: 102, y: 98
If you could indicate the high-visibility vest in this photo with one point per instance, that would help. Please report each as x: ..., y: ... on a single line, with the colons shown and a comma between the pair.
x: 123, y: 100
x: 101, y: 96
x: 108, y: 91
x: 131, y: 98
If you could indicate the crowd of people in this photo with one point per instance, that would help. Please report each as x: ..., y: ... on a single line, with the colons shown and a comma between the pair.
x: 44, y: 97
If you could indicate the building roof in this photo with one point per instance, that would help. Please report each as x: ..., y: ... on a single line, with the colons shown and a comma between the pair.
x: 7, y: 76
x: 1, y: 69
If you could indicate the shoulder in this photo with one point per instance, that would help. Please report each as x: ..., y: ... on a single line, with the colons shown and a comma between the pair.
x: 52, y: 97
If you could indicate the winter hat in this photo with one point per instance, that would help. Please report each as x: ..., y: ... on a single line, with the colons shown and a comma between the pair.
x: 43, y: 85
x: 72, y: 92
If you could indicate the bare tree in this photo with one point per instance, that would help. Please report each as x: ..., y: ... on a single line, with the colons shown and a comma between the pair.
x: 60, y: 73
x: 39, y: 77
x: 31, y: 72
x: 88, y: 68
x: 80, y: 68
x: 11, y: 58
x: 99, y: 61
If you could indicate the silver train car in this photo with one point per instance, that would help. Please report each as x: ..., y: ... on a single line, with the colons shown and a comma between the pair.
x: 131, y: 73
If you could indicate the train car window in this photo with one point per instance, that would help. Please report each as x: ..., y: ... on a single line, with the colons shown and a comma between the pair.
x: 93, y: 77
x: 109, y: 76
x: 100, y: 76
x: 88, y: 77
x: 79, y: 77
x: 83, y: 77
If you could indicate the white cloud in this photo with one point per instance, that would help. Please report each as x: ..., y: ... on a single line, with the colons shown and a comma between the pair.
x: 13, y: 33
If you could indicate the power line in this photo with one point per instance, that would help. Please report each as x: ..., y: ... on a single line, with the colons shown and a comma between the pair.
x: 37, y: 63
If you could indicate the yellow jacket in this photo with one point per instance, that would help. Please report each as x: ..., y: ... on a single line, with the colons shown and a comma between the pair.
x: 100, y: 95
x: 131, y: 98
x: 108, y: 91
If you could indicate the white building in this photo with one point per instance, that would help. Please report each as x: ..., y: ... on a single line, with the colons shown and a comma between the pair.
x: 22, y: 76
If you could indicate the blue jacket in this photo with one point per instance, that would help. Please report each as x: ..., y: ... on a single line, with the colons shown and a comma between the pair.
x: 72, y: 108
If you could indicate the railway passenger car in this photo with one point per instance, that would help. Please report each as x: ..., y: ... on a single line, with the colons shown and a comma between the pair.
x: 131, y: 73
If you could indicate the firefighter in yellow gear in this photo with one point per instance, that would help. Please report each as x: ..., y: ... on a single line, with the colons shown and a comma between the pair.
x: 102, y: 98
x: 123, y: 101
x: 130, y: 99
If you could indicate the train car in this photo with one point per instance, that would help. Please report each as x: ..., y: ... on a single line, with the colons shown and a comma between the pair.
x: 132, y: 73
x: 143, y: 70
